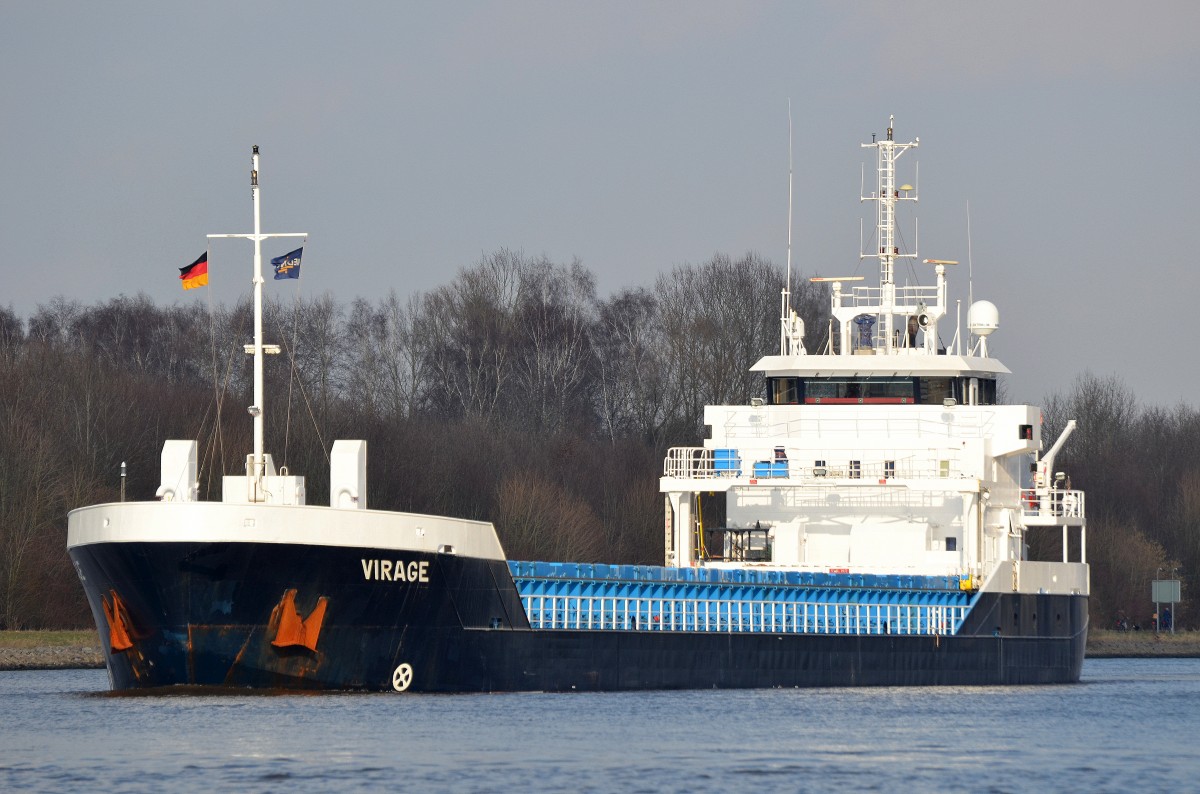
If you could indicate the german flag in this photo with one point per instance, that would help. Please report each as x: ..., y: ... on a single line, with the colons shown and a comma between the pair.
x: 195, y: 274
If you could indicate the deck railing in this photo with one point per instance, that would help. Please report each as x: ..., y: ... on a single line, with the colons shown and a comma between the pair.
x: 970, y: 422
x: 702, y: 463
x: 1057, y: 504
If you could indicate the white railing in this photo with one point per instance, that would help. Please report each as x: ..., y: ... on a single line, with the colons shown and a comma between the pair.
x: 904, y: 295
x: 1055, y: 504
x: 702, y: 464
x: 969, y: 423
x: 689, y: 463
x: 818, y: 497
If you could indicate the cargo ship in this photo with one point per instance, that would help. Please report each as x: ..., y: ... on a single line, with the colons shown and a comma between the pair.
x: 865, y: 520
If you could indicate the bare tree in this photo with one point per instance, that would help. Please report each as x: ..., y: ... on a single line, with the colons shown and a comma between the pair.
x: 12, y: 333
x: 368, y: 338
x: 552, y: 356
x: 718, y: 319
x: 538, y: 519
x: 29, y: 500
x: 469, y: 325
x: 632, y: 392
x: 405, y: 356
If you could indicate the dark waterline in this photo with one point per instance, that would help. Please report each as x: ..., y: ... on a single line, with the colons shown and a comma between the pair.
x: 1129, y: 725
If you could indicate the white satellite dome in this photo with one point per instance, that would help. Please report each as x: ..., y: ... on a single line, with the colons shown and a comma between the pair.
x: 982, y: 318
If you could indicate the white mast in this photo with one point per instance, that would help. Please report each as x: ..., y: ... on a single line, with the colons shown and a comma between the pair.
x: 887, y: 197
x: 791, y: 327
x: 785, y: 316
x: 256, y: 466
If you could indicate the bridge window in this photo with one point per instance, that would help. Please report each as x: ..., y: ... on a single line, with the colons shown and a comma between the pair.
x: 987, y: 391
x: 878, y: 390
x: 859, y: 391
x: 934, y: 391
x: 783, y: 391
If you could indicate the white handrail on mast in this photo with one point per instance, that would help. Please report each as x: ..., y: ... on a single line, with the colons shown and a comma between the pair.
x: 257, y: 465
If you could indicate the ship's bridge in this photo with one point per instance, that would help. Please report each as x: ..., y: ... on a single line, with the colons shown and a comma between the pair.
x: 880, y: 380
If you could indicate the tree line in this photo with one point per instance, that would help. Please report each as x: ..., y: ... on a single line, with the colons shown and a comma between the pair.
x: 1140, y: 468
x: 514, y: 393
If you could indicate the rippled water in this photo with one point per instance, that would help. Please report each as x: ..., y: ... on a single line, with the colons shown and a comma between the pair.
x: 1130, y: 725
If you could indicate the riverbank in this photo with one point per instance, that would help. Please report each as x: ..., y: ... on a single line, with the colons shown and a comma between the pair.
x: 1142, y: 644
x: 60, y: 650
x: 50, y: 650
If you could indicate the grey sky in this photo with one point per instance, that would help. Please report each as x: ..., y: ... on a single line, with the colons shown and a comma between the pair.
x: 410, y: 138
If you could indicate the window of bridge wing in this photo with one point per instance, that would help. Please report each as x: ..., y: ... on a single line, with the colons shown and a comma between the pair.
x: 783, y: 391
x: 935, y: 391
x: 987, y: 391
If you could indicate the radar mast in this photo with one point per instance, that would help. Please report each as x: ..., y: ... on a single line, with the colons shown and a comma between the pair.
x: 886, y: 197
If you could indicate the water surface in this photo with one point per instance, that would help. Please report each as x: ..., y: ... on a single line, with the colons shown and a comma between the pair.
x: 1130, y: 724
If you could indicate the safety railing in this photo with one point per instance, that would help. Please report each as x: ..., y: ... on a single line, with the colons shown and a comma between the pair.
x: 902, y: 295
x: 833, y: 422
x: 690, y: 463
x: 702, y: 463
x: 1055, y: 504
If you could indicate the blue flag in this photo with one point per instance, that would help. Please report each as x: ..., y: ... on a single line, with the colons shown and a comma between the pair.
x: 288, y: 265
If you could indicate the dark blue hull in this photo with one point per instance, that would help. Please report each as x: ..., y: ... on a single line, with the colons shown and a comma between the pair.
x: 218, y: 615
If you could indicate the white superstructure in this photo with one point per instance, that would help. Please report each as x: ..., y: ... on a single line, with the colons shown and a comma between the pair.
x: 887, y: 453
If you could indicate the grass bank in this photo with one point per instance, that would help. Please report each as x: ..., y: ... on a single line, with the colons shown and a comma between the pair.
x: 1142, y: 644
x: 50, y: 650
x: 86, y: 638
